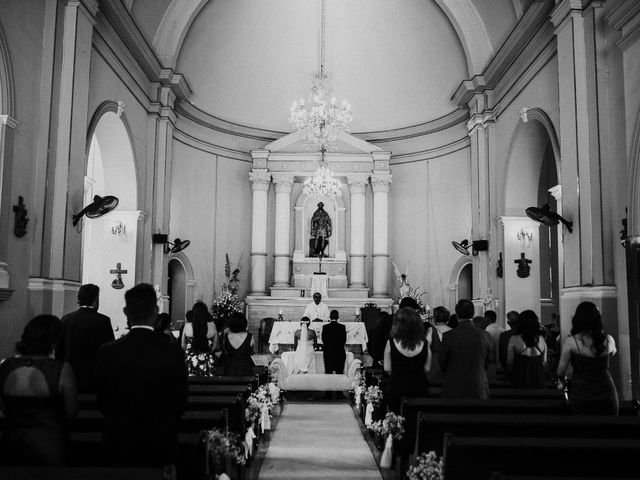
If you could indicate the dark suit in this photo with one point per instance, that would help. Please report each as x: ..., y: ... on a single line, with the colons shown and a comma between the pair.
x: 142, y: 392
x: 503, y: 345
x: 465, y: 355
x: 334, y: 337
x: 83, y: 332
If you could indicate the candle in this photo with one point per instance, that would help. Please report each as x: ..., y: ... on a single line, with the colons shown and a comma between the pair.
x: 280, y: 312
x: 357, y: 311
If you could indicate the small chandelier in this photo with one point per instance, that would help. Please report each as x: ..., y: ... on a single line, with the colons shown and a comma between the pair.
x: 325, y: 120
x: 323, y: 183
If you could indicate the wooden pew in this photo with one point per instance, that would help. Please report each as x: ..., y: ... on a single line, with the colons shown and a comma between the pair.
x: 530, y: 393
x: 79, y: 473
x: 478, y: 457
x: 431, y: 428
x: 211, y: 390
x: 500, y: 476
x: 254, y: 381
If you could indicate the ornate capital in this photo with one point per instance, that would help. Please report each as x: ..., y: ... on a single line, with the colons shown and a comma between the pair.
x: 381, y: 182
x: 357, y: 183
x: 260, y: 180
x: 283, y: 182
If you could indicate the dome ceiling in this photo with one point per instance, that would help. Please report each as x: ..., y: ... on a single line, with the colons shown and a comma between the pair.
x: 397, y: 63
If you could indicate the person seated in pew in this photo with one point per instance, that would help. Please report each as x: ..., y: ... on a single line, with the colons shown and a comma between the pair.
x: 588, y: 351
x: 237, y: 347
x: 142, y: 389
x: 37, y: 396
x: 407, y: 359
x: 527, y: 353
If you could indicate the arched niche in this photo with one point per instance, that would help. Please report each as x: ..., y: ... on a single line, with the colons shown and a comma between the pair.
x: 532, y: 178
x: 115, y: 238
x: 460, y: 280
x: 181, y: 286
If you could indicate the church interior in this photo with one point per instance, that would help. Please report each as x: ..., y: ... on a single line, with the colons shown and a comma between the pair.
x: 486, y: 150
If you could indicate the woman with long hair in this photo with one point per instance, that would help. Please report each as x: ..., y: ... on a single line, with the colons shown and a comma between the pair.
x: 527, y: 353
x: 199, y: 340
x: 407, y: 358
x: 587, y: 351
x: 37, y: 396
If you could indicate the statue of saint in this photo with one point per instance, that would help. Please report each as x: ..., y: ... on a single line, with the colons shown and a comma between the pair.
x: 320, y: 231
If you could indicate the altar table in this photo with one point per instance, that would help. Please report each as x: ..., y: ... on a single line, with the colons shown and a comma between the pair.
x: 282, y: 333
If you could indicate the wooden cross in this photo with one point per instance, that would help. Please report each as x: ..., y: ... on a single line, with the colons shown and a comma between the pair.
x: 523, y: 266
x: 117, y: 282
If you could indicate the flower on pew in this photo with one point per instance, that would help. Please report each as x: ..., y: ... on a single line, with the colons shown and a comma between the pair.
x: 391, y: 424
x: 256, y: 403
x: 360, y: 385
x: 427, y: 467
x: 373, y: 395
x: 274, y: 372
x: 221, y: 445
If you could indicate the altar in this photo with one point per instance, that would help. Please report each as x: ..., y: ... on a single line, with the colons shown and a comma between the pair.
x: 283, y: 333
x: 354, y: 266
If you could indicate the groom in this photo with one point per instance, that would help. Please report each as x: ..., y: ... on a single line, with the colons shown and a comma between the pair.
x: 334, y: 337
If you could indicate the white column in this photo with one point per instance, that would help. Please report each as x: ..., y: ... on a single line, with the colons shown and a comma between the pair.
x: 357, y: 186
x: 283, y: 182
x: 380, y: 183
x: 260, y: 180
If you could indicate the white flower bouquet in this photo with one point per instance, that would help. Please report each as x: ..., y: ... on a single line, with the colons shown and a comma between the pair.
x: 428, y: 467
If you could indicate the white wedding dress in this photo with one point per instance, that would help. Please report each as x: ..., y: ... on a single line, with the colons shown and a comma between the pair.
x: 304, y: 359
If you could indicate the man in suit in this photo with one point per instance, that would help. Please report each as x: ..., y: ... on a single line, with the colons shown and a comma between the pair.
x: 83, y: 332
x: 334, y: 338
x: 503, y: 341
x: 142, y: 388
x: 465, y: 355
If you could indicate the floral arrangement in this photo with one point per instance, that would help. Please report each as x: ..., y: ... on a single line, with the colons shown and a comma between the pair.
x: 359, y: 387
x: 391, y: 424
x: 222, y: 445
x: 257, y: 402
x: 428, y: 467
x: 373, y: 395
x: 423, y: 309
x: 225, y: 305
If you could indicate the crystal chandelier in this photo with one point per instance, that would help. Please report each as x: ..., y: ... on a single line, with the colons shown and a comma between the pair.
x: 323, y: 183
x: 324, y: 120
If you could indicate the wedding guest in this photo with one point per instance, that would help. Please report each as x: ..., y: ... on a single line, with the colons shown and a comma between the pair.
x: 162, y: 327
x: 465, y: 356
x: 334, y: 338
x: 453, y: 321
x: 238, y: 347
x: 440, y: 318
x: 479, y: 322
x: 503, y: 343
x: 407, y: 359
x: 199, y: 340
x: 83, y: 332
x: 588, y: 350
x: 527, y: 353
x: 142, y: 388
x: 492, y: 328
x: 379, y: 338
x: 37, y: 397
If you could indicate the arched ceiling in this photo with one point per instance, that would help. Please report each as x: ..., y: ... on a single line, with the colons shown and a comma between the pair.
x: 398, y: 63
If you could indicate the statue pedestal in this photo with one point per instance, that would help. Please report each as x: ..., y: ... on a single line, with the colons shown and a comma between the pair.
x: 335, y: 270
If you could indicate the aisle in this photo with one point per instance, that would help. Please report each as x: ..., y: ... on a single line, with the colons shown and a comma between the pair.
x: 317, y: 441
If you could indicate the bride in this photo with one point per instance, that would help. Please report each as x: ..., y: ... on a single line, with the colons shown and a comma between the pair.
x: 304, y: 360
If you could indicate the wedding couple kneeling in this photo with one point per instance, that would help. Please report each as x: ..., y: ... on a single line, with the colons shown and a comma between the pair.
x: 334, y: 338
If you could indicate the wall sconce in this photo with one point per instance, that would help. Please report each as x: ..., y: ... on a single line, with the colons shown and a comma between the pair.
x: 523, y: 235
x: 118, y: 228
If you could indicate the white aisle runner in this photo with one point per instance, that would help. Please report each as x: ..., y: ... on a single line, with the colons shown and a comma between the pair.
x: 317, y: 441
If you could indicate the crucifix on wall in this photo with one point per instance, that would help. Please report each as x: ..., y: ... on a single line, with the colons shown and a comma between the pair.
x: 523, y: 266
x: 117, y: 282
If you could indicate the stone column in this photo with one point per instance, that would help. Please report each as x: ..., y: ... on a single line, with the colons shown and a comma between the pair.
x: 260, y: 180
x: 357, y: 187
x: 380, y: 183
x: 283, y: 183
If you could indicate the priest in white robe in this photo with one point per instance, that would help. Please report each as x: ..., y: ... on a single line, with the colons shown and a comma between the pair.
x: 317, y: 310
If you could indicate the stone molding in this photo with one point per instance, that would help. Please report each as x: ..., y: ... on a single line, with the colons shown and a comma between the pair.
x: 260, y: 181
x: 357, y: 183
x: 626, y: 18
x: 283, y: 182
x: 381, y: 182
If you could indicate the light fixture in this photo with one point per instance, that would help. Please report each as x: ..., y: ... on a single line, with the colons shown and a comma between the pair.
x: 321, y: 124
x: 548, y: 217
x: 323, y: 183
x: 97, y: 208
x: 175, y: 247
x: 476, y: 246
x: 524, y: 234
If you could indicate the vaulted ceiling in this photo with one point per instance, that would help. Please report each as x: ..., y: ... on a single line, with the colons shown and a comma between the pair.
x: 398, y: 63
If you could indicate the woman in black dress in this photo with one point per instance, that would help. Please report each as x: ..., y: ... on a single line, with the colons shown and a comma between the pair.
x: 407, y: 358
x: 527, y: 353
x: 588, y: 350
x: 199, y: 341
x: 37, y: 396
x: 238, y: 347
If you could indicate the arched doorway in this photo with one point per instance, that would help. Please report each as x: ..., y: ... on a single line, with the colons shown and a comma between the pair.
x: 110, y: 241
x: 532, y: 180
x: 465, y: 283
x: 461, y: 281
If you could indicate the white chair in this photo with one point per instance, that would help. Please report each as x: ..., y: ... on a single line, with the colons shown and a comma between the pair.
x: 315, y: 381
